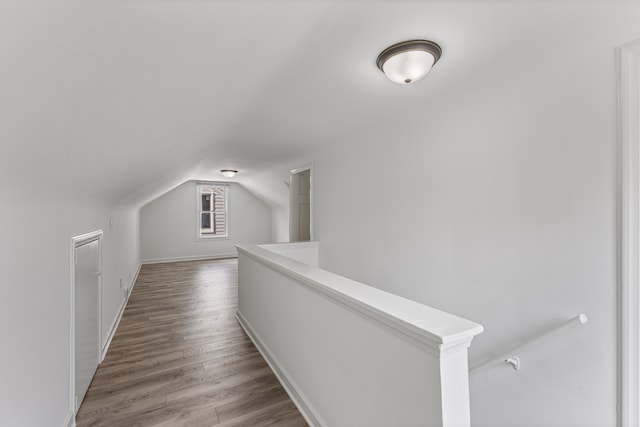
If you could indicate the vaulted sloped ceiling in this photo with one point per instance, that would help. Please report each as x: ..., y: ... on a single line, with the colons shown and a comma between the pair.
x: 124, y: 99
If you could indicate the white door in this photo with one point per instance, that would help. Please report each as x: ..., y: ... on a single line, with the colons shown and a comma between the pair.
x: 300, y: 206
x: 87, y: 332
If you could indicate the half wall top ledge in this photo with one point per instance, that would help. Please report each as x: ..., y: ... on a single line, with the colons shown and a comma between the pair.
x: 394, y: 361
x: 431, y: 328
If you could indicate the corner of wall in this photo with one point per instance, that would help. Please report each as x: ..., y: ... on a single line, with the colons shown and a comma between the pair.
x: 70, y: 419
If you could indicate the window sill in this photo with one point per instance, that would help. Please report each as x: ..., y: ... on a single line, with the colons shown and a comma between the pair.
x: 212, y: 238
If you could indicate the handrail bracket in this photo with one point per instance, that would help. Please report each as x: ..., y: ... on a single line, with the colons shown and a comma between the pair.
x: 514, y: 361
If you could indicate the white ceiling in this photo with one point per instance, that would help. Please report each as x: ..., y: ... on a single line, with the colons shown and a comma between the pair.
x: 141, y: 95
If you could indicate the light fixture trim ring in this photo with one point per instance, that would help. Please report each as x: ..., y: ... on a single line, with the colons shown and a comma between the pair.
x: 410, y: 45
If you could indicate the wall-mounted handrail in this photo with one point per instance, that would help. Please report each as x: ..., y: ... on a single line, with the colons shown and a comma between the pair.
x: 510, y: 356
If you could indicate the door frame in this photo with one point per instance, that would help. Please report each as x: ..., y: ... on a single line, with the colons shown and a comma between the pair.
x: 76, y: 242
x: 293, y: 172
x: 628, y: 78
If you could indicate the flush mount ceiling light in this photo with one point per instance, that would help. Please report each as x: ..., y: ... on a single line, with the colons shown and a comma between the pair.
x: 228, y: 173
x: 407, y: 62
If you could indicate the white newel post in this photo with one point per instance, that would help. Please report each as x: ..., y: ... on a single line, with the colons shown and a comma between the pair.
x: 454, y: 369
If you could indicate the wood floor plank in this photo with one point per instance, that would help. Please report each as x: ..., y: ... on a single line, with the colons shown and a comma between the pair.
x: 256, y: 402
x: 179, y: 357
x: 281, y: 414
x: 103, y: 393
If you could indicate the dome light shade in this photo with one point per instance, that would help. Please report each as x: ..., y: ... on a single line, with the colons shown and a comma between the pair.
x: 407, y: 62
x: 228, y: 173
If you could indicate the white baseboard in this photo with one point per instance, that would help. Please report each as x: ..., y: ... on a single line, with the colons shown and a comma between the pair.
x: 189, y: 258
x: 135, y: 278
x: 302, y: 403
x: 116, y: 321
x: 70, y: 420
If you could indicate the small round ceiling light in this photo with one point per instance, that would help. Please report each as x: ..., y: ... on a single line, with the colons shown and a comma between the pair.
x: 228, y: 173
x: 407, y: 62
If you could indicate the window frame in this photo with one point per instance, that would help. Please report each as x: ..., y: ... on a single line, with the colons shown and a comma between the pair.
x: 199, y: 236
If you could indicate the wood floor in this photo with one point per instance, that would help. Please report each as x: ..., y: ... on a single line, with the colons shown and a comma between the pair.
x: 179, y: 357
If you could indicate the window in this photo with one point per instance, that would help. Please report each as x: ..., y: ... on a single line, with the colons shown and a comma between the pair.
x: 212, y: 210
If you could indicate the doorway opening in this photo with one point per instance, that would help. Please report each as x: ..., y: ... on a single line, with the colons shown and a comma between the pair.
x: 85, y: 319
x: 301, y: 204
x: 628, y: 58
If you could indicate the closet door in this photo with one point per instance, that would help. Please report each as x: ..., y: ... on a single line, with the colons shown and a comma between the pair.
x: 87, y: 333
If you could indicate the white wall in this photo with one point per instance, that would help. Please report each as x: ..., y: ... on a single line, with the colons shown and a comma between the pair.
x: 35, y: 301
x: 122, y: 241
x: 168, y: 225
x: 498, y: 206
x: 304, y: 252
